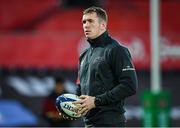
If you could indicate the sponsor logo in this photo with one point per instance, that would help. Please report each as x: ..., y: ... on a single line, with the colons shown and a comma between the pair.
x: 128, y: 68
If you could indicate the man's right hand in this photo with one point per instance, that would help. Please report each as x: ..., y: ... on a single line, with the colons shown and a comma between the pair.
x: 66, y: 117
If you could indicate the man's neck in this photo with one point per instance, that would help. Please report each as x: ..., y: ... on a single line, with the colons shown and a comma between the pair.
x: 98, y: 35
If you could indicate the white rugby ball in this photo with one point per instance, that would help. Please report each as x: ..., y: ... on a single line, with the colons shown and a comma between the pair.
x: 64, y: 104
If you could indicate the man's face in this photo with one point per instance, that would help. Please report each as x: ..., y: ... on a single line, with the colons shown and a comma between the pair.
x: 92, y: 26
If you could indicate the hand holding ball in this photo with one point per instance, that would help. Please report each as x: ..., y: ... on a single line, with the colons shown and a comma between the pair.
x: 64, y: 104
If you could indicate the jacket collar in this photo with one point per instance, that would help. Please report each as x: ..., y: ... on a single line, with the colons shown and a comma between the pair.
x: 101, y: 40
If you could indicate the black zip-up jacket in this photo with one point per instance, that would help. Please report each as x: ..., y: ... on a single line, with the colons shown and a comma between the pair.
x: 106, y: 71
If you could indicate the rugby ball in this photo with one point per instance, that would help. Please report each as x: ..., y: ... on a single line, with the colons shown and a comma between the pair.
x: 64, y: 104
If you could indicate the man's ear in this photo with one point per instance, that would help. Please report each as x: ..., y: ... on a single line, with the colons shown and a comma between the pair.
x: 103, y: 25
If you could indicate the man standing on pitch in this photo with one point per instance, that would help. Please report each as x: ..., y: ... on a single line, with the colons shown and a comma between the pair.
x: 106, y: 74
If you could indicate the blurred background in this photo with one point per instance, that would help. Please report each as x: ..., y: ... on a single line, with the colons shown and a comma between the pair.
x: 40, y: 41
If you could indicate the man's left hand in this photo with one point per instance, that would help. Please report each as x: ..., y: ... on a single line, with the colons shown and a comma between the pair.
x: 85, y: 104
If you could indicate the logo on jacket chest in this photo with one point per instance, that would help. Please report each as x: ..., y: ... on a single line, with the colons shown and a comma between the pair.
x: 99, y: 59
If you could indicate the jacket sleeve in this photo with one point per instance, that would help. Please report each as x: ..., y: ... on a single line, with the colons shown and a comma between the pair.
x: 125, y: 76
x: 78, y: 90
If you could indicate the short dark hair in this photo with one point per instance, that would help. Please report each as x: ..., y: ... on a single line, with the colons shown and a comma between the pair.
x: 60, y: 79
x: 101, y: 13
